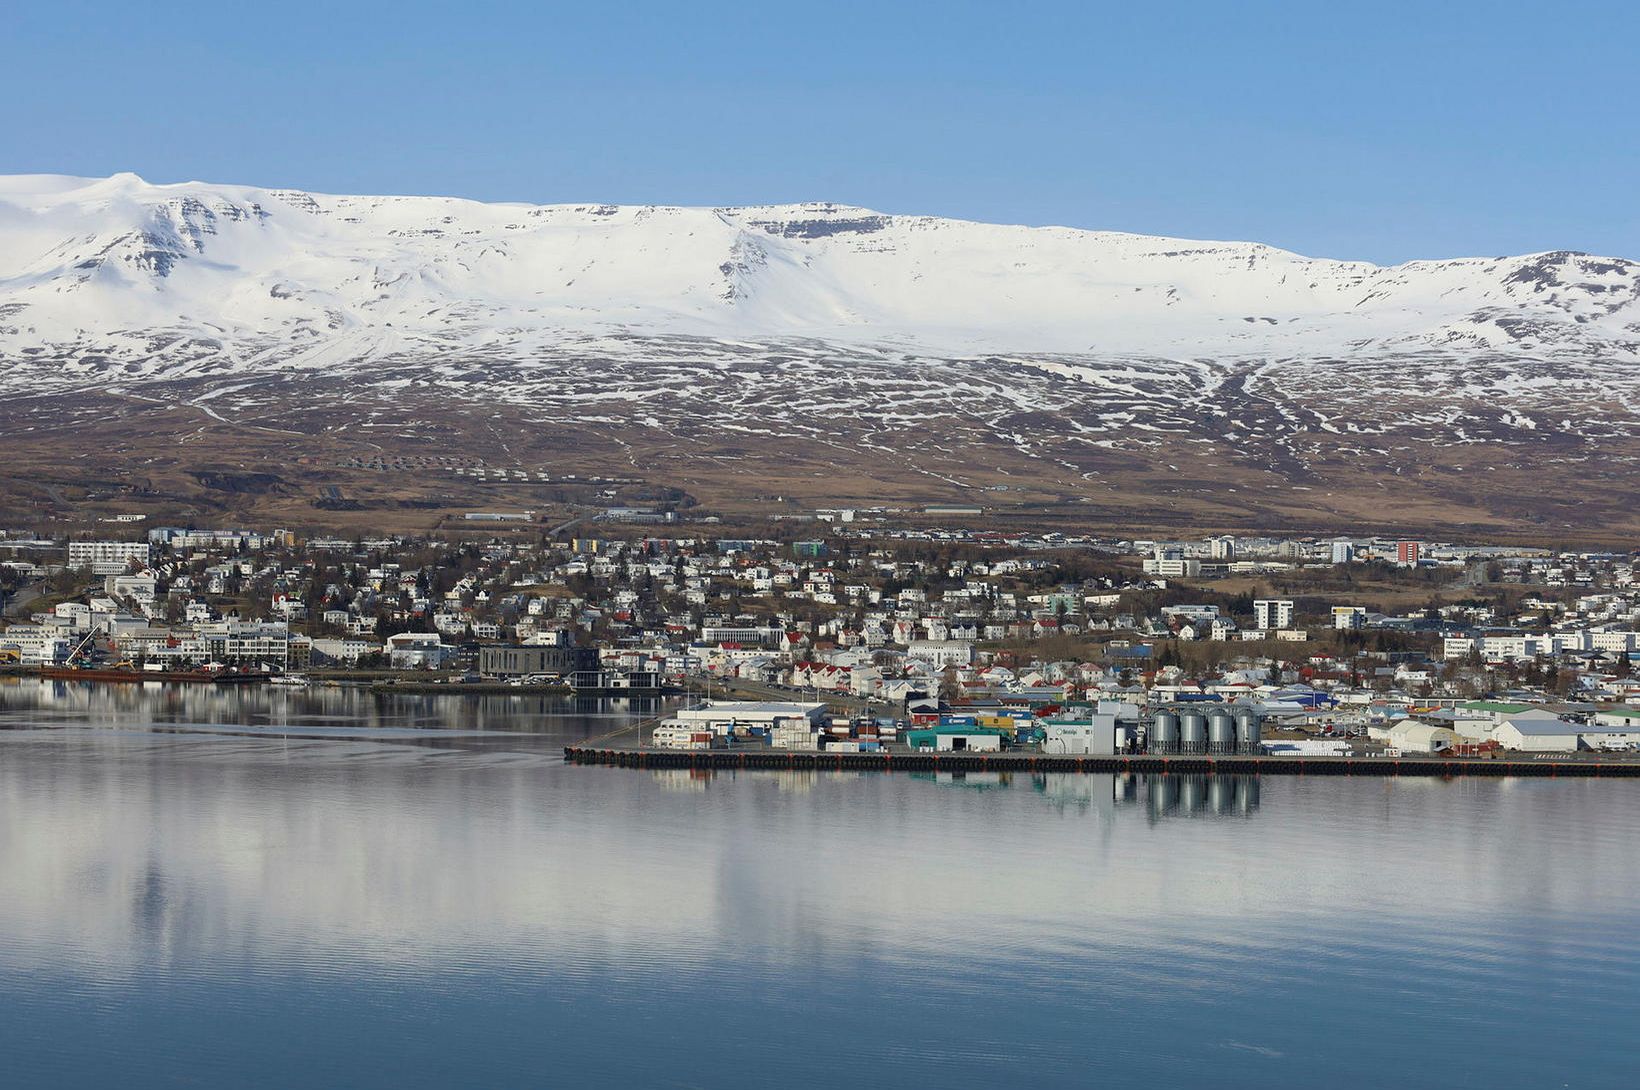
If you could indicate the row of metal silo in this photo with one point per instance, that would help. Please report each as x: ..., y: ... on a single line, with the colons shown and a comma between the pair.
x: 1189, y: 729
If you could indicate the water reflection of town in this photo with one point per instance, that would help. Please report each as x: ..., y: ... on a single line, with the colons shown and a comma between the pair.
x: 1158, y: 796
x: 27, y: 702
x: 1162, y: 796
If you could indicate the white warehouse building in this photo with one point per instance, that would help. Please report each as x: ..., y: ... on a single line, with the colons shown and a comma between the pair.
x: 1535, y: 734
x: 723, y: 716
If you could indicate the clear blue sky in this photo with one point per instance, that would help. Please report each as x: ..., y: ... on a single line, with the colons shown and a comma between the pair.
x: 1378, y: 130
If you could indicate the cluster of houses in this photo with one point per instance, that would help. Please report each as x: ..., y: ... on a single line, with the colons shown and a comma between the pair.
x: 868, y: 613
x: 1595, y: 628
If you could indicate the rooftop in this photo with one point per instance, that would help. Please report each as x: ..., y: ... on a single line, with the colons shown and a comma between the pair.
x: 754, y: 707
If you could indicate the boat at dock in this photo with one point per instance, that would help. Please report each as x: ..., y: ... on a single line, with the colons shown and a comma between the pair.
x: 119, y: 675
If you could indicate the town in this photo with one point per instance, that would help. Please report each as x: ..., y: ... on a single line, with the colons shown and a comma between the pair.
x: 868, y: 637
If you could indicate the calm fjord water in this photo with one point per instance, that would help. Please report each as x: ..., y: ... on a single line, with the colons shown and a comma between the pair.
x: 286, y: 889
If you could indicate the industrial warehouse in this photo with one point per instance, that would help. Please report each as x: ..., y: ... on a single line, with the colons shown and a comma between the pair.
x: 1112, y: 727
x: 1187, y: 736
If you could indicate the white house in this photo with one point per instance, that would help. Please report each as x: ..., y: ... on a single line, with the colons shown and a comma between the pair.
x: 348, y: 651
x: 942, y: 653
x: 140, y: 587
x: 418, y: 651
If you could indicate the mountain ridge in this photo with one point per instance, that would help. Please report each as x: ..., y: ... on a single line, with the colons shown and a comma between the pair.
x: 271, y: 269
x: 813, y: 351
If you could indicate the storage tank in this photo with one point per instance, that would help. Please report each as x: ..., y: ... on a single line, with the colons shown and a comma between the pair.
x: 1193, y: 732
x: 1164, y: 733
x: 1247, y: 730
x: 1221, y: 731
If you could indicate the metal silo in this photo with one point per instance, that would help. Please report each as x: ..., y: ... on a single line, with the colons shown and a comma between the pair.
x: 1164, y: 733
x: 1192, y: 732
x: 1247, y: 730
x: 1221, y: 731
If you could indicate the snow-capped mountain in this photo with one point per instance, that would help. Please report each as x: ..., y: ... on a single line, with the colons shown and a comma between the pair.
x: 147, y: 279
x: 720, y: 349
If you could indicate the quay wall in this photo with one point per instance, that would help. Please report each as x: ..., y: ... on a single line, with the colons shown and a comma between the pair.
x: 1031, y: 762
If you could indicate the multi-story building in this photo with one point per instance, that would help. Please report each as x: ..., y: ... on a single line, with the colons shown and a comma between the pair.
x: 1170, y: 562
x: 1272, y: 613
x: 503, y: 661
x: 37, y: 645
x: 108, y: 557
x: 1348, y: 618
x: 761, y: 637
x: 247, y: 642
x: 941, y: 653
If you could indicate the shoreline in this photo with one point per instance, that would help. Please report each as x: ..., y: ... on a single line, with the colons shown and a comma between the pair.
x: 502, y: 688
x: 820, y: 761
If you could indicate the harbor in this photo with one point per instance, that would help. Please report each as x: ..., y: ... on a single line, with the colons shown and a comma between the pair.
x: 912, y: 761
x: 1107, y: 737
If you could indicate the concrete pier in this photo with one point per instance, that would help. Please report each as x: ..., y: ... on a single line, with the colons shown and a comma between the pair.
x: 1036, y: 762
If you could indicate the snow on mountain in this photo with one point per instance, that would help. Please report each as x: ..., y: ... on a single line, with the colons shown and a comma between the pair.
x: 116, y: 278
x: 729, y: 345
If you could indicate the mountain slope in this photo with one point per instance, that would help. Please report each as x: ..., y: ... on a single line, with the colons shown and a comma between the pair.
x: 969, y: 355
x: 115, y: 262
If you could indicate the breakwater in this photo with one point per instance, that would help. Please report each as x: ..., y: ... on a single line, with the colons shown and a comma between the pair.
x: 1042, y: 762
